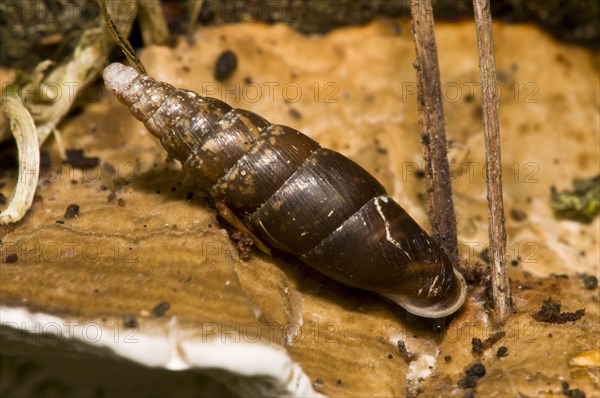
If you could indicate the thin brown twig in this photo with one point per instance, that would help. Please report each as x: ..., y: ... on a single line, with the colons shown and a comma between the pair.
x: 491, y: 130
x: 195, y: 9
x: 153, y: 24
x: 433, y: 136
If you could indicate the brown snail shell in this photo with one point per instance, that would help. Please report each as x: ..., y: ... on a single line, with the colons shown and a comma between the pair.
x: 308, y: 201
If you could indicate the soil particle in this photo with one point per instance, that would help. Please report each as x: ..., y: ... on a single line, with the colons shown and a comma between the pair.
x: 590, y: 282
x: 477, y: 345
x: 502, y: 351
x: 72, y: 211
x: 161, y: 308
x: 11, y: 258
x: 468, y: 382
x: 575, y: 392
x: 225, y: 66
x: 77, y: 159
x: 130, y: 322
x: 518, y: 215
x: 485, y: 255
x: 477, y: 370
x: 472, y: 375
x: 294, y: 114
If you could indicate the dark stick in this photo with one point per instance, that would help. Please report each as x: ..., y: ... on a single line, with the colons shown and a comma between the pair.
x: 437, y: 173
x: 491, y: 130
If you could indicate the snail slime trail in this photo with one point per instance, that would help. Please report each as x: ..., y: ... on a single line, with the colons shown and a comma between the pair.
x: 296, y: 196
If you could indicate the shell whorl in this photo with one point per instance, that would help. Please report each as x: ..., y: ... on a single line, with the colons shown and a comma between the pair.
x: 308, y: 201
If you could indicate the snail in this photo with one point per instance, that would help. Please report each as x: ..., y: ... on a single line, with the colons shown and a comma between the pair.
x: 289, y: 193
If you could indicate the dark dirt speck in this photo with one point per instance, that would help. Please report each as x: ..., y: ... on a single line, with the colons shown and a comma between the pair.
x: 130, y: 321
x: 476, y: 345
x: 294, y: 114
x: 77, y: 159
x: 590, y: 282
x: 502, y: 351
x: 161, y: 308
x: 485, y: 255
x: 477, y: 370
x: 468, y: 382
x: 575, y: 392
x: 518, y: 215
x: 11, y: 258
x: 72, y: 211
x: 225, y: 66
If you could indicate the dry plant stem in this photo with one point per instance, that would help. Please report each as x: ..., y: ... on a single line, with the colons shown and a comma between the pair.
x: 497, y: 231
x: 153, y: 24
x: 121, y: 39
x: 54, y: 88
x: 195, y: 8
x: 437, y: 173
x: 24, y: 131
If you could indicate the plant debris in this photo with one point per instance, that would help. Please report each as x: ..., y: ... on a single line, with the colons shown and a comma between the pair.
x: 580, y: 204
x: 550, y: 312
x: 493, y: 339
x: 243, y: 243
x: 404, y: 353
x: 25, y: 133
